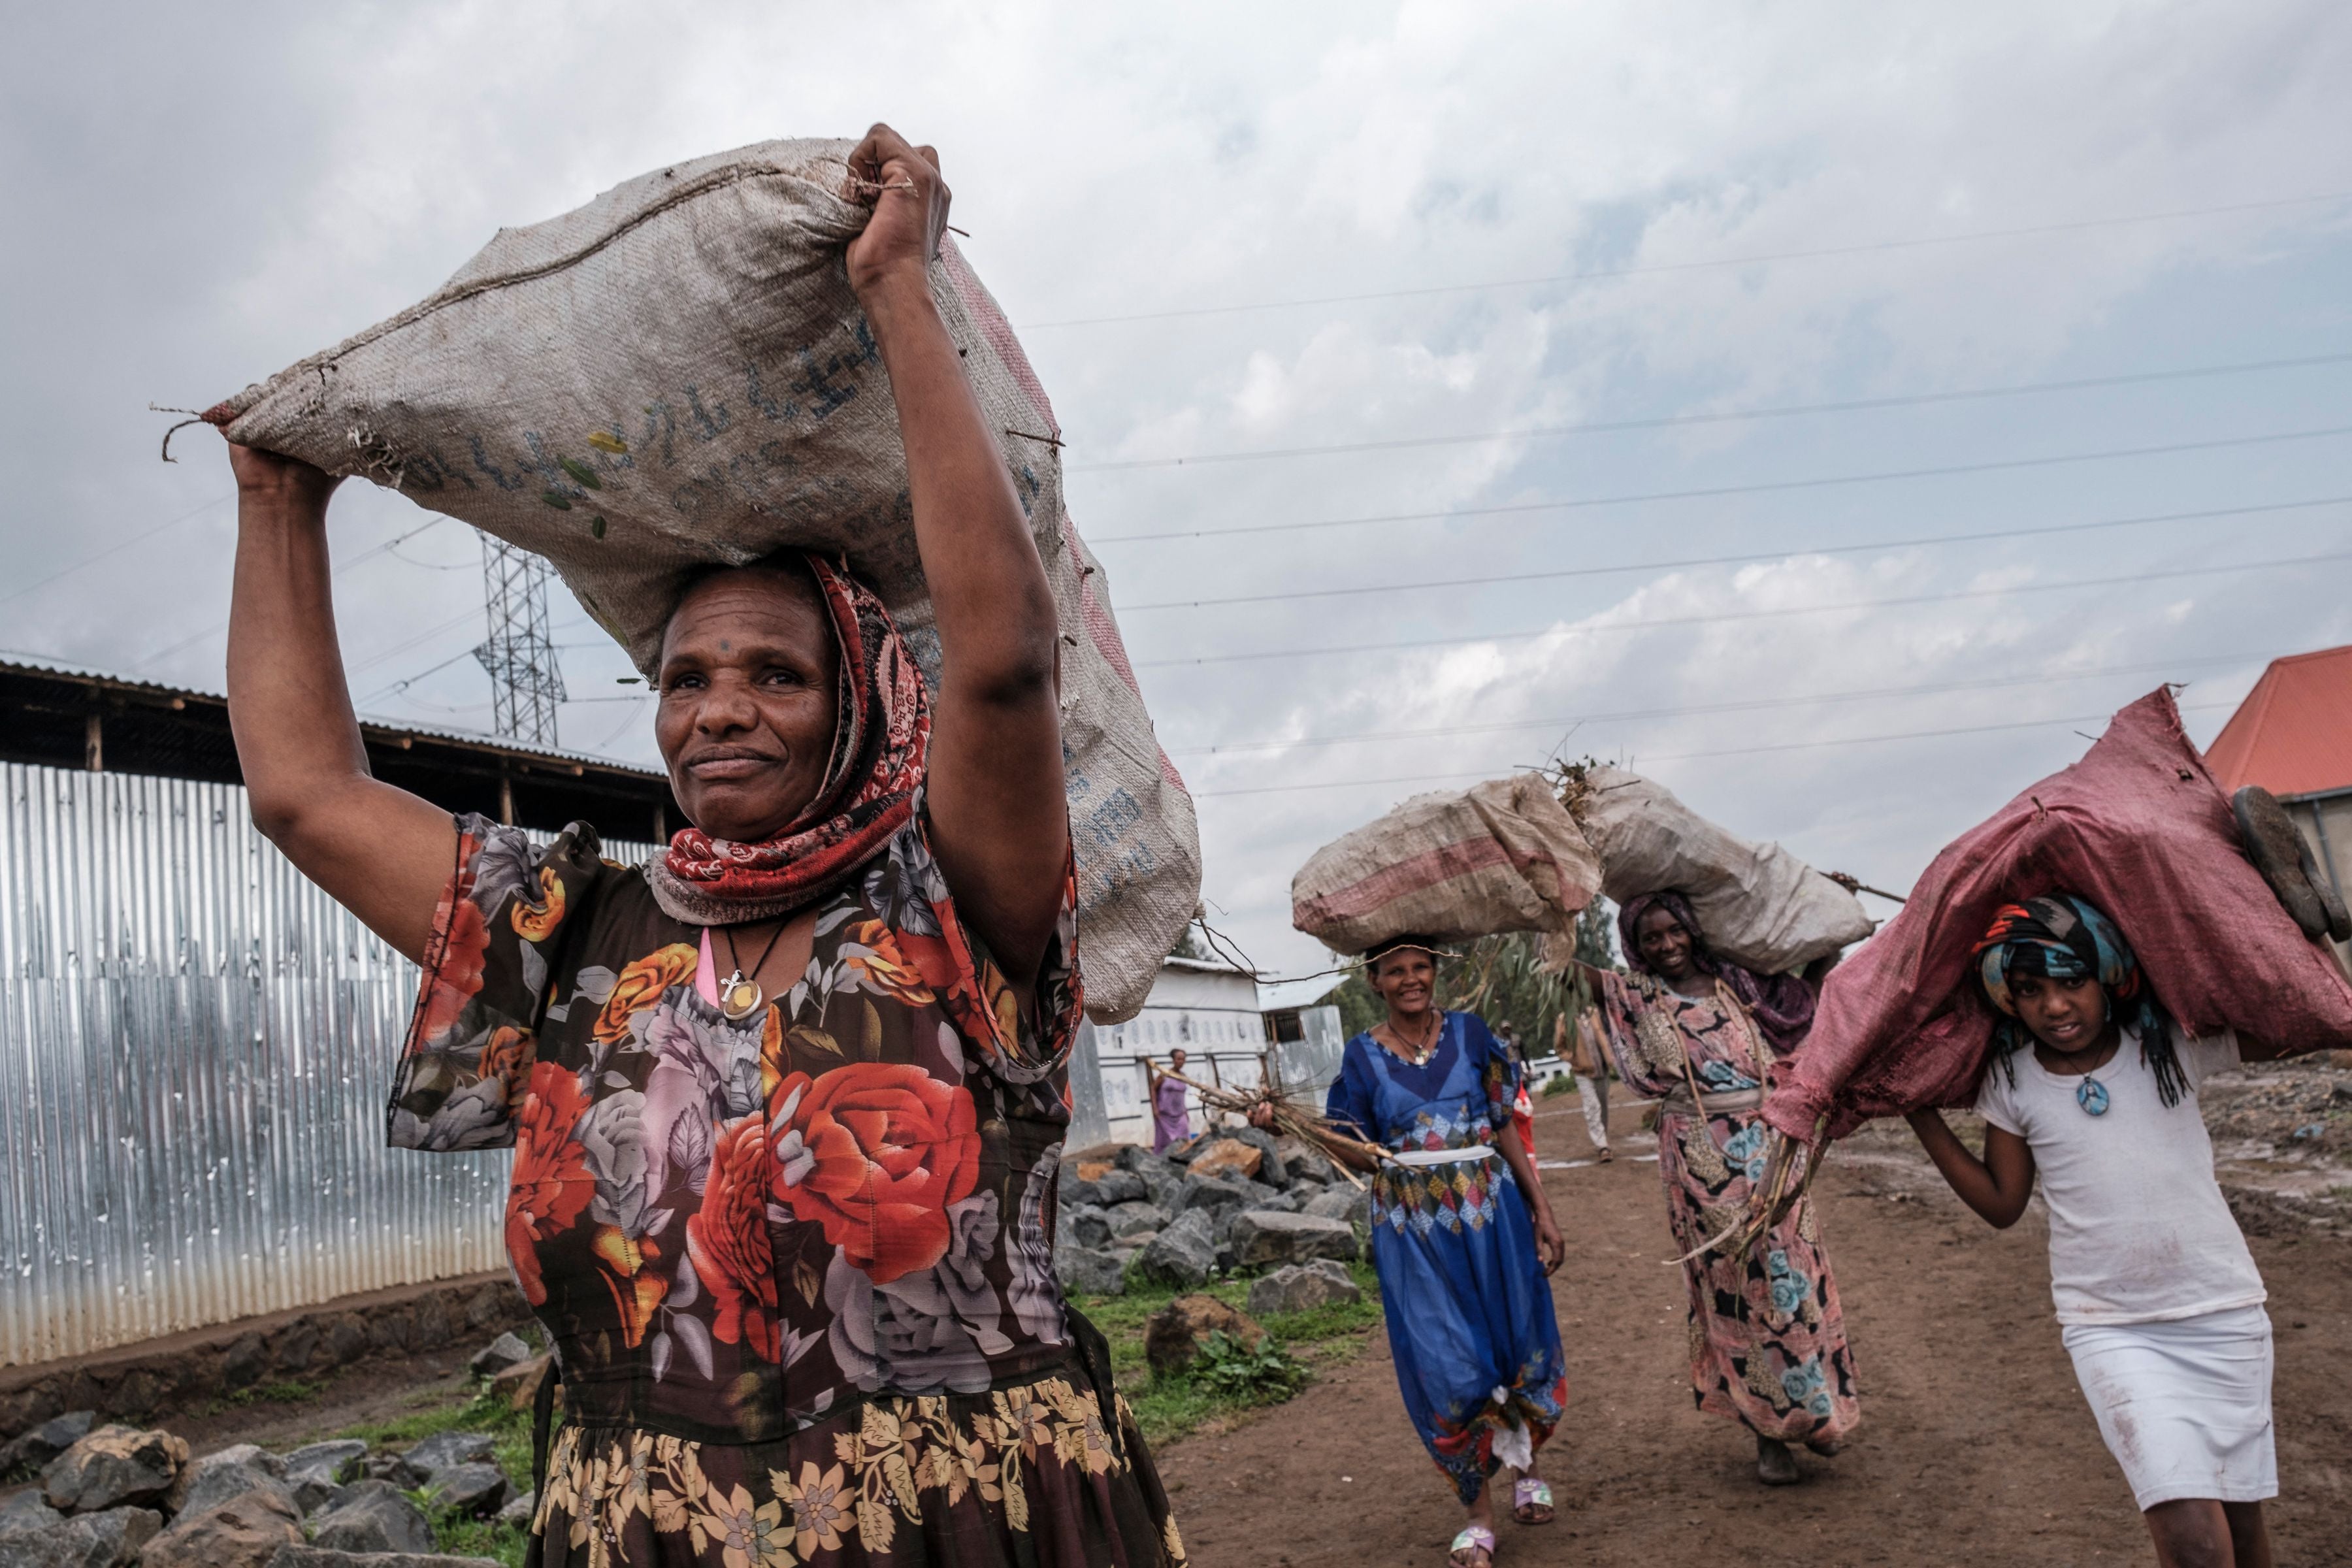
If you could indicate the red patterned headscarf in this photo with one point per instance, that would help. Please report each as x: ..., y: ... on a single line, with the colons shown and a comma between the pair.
x: 880, y: 739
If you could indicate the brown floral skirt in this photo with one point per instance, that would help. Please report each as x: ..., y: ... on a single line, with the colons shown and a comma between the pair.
x: 1024, y: 1475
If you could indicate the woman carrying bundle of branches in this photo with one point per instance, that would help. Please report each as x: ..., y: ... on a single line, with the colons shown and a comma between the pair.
x: 1767, y: 1345
x: 1462, y: 1235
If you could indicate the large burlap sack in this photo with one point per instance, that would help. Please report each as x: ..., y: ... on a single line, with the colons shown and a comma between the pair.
x: 677, y: 373
x: 2140, y: 829
x: 1500, y: 856
x: 1759, y: 905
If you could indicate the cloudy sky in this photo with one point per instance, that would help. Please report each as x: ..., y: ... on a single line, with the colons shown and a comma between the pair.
x: 1550, y: 379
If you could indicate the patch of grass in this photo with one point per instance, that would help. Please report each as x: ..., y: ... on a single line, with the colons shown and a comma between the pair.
x: 1561, y: 1084
x: 460, y: 1535
x: 1169, y: 1407
x: 293, y: 1391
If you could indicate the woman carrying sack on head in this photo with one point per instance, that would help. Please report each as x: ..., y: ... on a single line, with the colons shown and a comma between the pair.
x: 1463, y: 1239
x: 2093, y: 1086
x: 786, y: 1102
x: 1768, y: 1346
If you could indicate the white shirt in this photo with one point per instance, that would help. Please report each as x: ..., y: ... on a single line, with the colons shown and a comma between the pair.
x: 2139, y: 1232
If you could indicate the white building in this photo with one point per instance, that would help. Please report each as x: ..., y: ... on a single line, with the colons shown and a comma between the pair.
x: 1214, y: 1013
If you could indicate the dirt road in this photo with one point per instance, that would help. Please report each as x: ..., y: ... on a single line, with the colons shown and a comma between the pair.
x: 1975, y: 1448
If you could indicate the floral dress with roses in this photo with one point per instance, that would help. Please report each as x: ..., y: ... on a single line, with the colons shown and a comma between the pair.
x: 798, y: 1269
x: 1768, y: 1346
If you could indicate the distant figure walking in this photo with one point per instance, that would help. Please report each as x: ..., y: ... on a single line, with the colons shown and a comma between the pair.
x: 1171, y: 1122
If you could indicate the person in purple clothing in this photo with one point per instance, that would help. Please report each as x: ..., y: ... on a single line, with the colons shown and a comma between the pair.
x: 1170, y: 1122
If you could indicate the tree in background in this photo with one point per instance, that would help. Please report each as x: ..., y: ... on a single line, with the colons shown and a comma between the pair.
x: 1497, y: 978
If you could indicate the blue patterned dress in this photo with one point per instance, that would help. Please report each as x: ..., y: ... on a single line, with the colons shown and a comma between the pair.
x: 1469, y: 1310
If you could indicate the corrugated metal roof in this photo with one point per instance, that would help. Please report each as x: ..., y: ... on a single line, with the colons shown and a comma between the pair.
x: 12, y: 661
x: 2293, y: 734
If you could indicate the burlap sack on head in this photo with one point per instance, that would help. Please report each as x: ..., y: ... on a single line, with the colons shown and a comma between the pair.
x: 2139, y: 827
x: 677, y: 373
x: 1501, y: 856
x: 1758, y: 905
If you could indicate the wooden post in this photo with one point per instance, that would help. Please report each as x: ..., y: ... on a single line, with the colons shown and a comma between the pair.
x: 93, y: 744
x: 506, y: 799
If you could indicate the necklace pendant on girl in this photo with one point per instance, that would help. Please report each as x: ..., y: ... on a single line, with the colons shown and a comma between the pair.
x: 740, y: 998
x: 2092, y: 1096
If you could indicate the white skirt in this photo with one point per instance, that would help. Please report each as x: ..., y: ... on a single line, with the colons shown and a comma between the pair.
x: 2185, y: 1406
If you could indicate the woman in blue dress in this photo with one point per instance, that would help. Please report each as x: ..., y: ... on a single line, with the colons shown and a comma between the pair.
x: 1461, y: 1236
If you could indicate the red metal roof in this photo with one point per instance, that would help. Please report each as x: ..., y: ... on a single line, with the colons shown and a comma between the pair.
x: 2293, y: 734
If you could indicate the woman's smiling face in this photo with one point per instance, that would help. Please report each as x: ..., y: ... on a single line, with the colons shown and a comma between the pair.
x: 1405, y: 979
x: 1665, y: 945
x: 750, y: 689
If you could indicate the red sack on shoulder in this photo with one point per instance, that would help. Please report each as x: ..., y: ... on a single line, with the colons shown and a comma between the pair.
x: 2139, y: 827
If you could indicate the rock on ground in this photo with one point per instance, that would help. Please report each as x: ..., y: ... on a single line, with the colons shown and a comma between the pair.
x: 1335, y: 1202
x: 318, y: 1469
x: 323, y: 1557
x: 1087, y: 1227
x: 1173, y: 1335
x: 1129, y: 1218
x: 373, y: 1517
x: 1228, y: 1157
x: 1303, y: 1287
x: 107, y: 1538
x: 444, y: 1449
x: 114, y: 1467
x: 1261, y: 1236
x: 518, y: 1384
x: 392, y: 1468
x: 31, y: 1450
x: 1270, y: 1168
x: 243, y: 1532
x: 1088, y: 1272
x: 27, y: 1509
x: 475, y: 1489
x: 519, y: 1510
x: 1183, y: 1254
x: 499, y: 1354
x: 225, y: 1473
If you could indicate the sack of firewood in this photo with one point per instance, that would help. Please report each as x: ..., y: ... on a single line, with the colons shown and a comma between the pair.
x: 1758, y: 905
x: 2140, y: 829
x: 678, y: 374
x: 1453, y: 864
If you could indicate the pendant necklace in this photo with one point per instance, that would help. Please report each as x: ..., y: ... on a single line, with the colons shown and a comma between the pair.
x: 1420, y: 1053
x: 741, y: 997
x: 2092, y: 1096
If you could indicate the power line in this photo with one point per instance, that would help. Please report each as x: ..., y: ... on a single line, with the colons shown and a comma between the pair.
x: 1669, y: 421
x: 115, y: 549
x: 1723, y: 751
x: 1416, y: 587
x: 221, y: 626
x: 1764, y: 258
x: 1760, y: 488
x: 2039, y: 677
x: 1725, y: 616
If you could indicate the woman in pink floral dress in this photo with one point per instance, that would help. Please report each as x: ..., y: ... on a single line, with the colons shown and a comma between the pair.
x: 787, y: 1102
x: 1768, y: 1346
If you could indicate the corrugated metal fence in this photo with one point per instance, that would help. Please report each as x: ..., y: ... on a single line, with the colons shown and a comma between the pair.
x: 196, y: 1046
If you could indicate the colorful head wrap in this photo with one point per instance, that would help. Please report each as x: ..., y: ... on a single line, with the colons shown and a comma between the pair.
x: 2068, y: 938
x: 880, y: 741
x: 1783, y: 1004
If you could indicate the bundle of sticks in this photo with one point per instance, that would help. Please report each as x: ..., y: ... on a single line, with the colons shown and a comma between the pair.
x: 1288, y: 1118
x: 1789, y: 1167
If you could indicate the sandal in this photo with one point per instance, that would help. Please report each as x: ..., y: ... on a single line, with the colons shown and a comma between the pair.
x: 1531, y: 1500
x: 1474, y: 1538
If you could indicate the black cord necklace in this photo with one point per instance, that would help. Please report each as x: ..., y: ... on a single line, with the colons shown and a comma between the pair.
x: 1420, y: 1053
x: 741, y: 997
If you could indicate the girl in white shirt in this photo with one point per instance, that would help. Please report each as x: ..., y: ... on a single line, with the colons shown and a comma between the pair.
x: 2160, y: 1304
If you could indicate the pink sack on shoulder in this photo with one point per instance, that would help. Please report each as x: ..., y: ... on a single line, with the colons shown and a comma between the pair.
x: 2140, y: 828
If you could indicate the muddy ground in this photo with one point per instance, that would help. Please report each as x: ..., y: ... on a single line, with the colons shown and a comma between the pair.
x: 1976, y: 1447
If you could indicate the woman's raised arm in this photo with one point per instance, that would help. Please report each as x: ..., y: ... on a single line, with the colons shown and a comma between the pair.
x: 999, y: 823
x: 380, y: 852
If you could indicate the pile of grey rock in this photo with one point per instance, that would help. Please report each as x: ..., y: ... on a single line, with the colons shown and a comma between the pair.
x: 1237, y: 1198
x: 107, y: 1495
